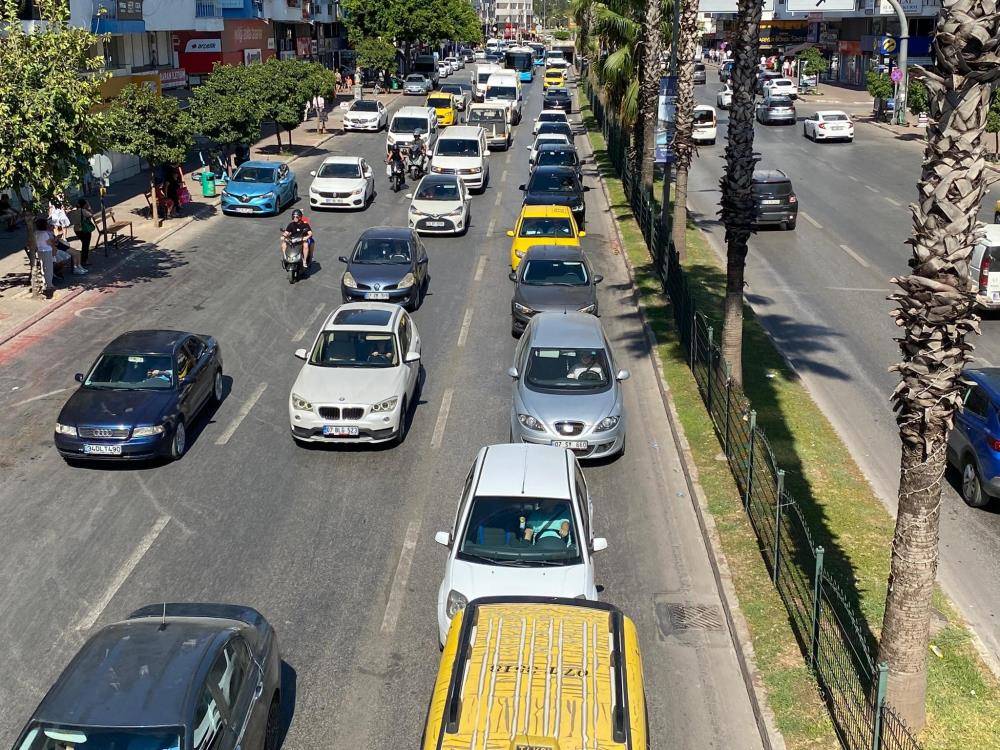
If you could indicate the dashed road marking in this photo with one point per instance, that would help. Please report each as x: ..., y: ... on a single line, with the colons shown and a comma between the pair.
x: 892, y: 201
x: 493, y: 223
x: 810, y: 219
x: 852, y: 177
x: 499, y: 198
x: 442, y: 420
x: 480, y: 267
x: 241, y: 415
x: 854, y: 255
x: 463, y: 334
x: 309, y: 321
x: 869, y: 187
x: 395, y: 603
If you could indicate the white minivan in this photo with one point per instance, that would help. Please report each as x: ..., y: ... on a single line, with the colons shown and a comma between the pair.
x: 405, y: 121
x: 480, y: 76
x: 706, y: 124
x: 505, y: 88
x: 462, y: 150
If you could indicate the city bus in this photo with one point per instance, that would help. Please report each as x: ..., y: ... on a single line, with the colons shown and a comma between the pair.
x: 538, y: 51
x: 520, y: 59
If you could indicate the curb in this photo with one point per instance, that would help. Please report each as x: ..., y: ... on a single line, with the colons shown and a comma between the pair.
x: 739, y: 632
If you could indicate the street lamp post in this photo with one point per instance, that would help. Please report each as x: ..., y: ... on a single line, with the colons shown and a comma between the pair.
x: 904, y: 37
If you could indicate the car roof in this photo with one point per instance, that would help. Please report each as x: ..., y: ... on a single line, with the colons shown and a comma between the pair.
x: 461, y: 131
x: 386, y: 232
x: 379, y: 316
x: 988, y: 377
x: 524, y: 470
x: 554, y: 252
x: 136, y: 673
x: 546, y: 212
x: 439, y: 179
x: 342, y: 160
x: 412, y: 111
x: 556, y: 169
x: 991, y: 236
x: 556, y: 146
x: 769, y: 176
x: 259, y: 163
x: 553, y: 112
x: 566, y: 329
x: 825, y: 112
x: 704, y: 107
x: 147, y: 342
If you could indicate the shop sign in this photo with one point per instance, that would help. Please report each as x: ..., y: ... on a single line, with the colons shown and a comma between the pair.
x: 174, y: 78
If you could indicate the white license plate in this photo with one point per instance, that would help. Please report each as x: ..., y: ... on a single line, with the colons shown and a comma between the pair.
x: 993, y: 282
x: 241, y: 210
x: 573, y: 445
x: 103, y: 450
x: 339, y: 431
x: 770, y: 203
x: 377, y: 295
x: 435, y: 223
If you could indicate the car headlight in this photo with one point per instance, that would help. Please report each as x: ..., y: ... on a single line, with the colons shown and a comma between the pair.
x: 437, y: 170
x: 146, y: 430
x: 577, y: 207
x: 406, y: 282
x: 457, y: 212
x: 226, y: 194
x: 359, y: 191
x: 415, y: 212
x: 455, y: 604
x: 388, y: 405
x: 607, y: 423
x: 530, y: 422
x: 588, y: 308
x: 523, y: 308
x: 349, y: 281
x: 65, y: 429
x: 300, y: 403
x: 475, y: 170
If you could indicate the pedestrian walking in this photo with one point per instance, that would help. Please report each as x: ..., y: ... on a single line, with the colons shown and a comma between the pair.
x: 319, y: 107
x: 84, y: 226
x: 339, y: 80
x: 44, y: 248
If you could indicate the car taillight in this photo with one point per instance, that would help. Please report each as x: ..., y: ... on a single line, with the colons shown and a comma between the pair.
x: 984, y: 273
x: 993, y: 443
x: 822, y: 126
x: 792, y: 199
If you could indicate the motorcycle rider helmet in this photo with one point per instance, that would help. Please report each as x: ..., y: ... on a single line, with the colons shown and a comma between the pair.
x: 297, y: 214
x: 416, y: 134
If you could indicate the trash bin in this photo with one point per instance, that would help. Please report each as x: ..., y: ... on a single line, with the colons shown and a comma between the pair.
x: 207, y: 184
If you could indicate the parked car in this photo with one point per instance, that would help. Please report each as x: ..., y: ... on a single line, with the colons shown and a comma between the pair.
x: 342, y: 182
x: 214, y: 670
x: 775, y: 201
x: 985, y: 268
x: 557, y: 98
x: 549, y: 115
x: 542, y: 225
x: 360, y: 377
x: 973, y: 446
x: 366, y: 114
x: 552, y: 278
x: 387, y: 264
x: 705, y: 128
x: 441, y: 204
x: 417, y: 85
x: 558, y: 155
x: 828, y: 125
x: 724, y: 98
x: 567, y: 387
x: 556, y: 186
x: 780, y: 86
x: 699, y: 75
x: 776, y: 109
x: 140, y: 397
x: 260, y: 188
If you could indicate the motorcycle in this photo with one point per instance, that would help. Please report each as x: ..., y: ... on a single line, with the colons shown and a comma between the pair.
x: 417, y: 165
x: 396, y: 174
x: 291, y: 260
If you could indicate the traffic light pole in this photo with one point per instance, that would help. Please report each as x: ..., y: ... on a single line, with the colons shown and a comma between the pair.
x: 904, y: 37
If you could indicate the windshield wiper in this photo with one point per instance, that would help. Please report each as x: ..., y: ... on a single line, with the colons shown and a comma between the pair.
x: 491, y: 561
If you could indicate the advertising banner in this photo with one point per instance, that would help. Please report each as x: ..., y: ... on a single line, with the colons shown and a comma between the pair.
x: 666, y: 117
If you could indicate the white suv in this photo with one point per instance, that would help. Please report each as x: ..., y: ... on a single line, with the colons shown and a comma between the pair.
x: 462, y: 151
x: 524, y: 527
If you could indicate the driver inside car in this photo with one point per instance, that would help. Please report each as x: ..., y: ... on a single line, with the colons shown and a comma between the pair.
x: 586, y: 368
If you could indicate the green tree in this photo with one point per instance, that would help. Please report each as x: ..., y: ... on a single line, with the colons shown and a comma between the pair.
x: 375, y: 53
x: 560, y: 34
x: 813, y: 62
x: 916, y: 96
x: 142, y: 123
x: 881, y: 87
x: 49, y: 88
x: 226, y: 108
x: 281, y: 93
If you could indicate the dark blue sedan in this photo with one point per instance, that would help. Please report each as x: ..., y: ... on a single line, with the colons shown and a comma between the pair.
x: 388, y: 264
x: 140, y: 397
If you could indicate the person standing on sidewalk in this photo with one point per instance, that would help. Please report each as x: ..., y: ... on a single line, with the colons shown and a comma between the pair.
x: 84, y: 227
x: 44, y: 248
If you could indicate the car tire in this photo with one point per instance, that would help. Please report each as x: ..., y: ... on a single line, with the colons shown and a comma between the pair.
x: 217, y: 387
x: 404, y: 424
x: 178, y: 443
x: 791, y: 224
x: 972, y: 486
x: 272, y: 729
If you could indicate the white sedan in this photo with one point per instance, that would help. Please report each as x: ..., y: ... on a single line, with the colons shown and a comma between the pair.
x: 781, y: 87
x: 360, y: 377
x: 545, y: 138
x: 366, y: 114
x: 342, y: 182
x: 828, y: 125
x: 724, y: 99
x: 441, y: 204
x: 444, y: 70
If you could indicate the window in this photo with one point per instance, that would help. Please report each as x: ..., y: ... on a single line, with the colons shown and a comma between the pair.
x: 185, y: 363
x: 132, y: 372
x: 977, y: 402
x: 521, y: 532
x: 230, y: 670
x: 465, y: 495
x: 342, y: 348
x: 208, y: 723
x: 404, y: 333
x: 538, y: 226
x: 335, y: 170
x: 557, y: 370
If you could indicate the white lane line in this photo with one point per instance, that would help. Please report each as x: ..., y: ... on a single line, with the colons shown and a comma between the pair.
x: 480, y: 267
x: 499, y: 198
x: 869, y: 187
x: 892, y: 201
x: 399, y: 579
x: 854, y: 255
x: 503, y: 176
x: 88, y: 620
x: 852, y: 177
x: 309, y: 321
x: 835, y: 168
x: 810, y: 219
x: 38, y: 398
x: 493, y: 223
x: 241, y: 415
x: 463, y: 334
x: 442, y: 419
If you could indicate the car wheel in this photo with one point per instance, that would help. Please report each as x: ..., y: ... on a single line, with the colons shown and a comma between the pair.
x: 792, y: 223
x: 179, y: 442
x: 273, y: 727
x: 217, y: 387
x: 404, y: 424
x: 972, y: 487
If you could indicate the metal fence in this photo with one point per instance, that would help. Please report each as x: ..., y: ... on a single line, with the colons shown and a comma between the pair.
x: 836, y: 646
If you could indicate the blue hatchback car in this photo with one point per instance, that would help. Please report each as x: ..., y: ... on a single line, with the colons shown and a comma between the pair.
x: 974, y: 441
x: 261, y: 188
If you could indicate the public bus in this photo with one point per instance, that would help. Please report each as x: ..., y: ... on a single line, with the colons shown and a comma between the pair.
x: 521, y: 60
x: 538, y: 51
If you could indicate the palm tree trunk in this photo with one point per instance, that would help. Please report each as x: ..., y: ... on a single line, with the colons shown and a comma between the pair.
x: 737, y: 182
x: 935, y: 313
x: 683, y: 144
x: 649, y: 88
x: 36, y: 276
x: 154, y: 209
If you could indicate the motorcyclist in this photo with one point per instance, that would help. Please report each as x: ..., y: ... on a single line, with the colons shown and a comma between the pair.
x: 298, y: 230
x: 395, y: 159
x: 417, y: 149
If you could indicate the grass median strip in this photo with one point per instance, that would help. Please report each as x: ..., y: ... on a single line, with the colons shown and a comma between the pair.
x: 843, y: 512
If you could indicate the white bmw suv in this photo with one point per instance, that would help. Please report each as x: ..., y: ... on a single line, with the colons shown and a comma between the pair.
x: 524, y: 527
x: 360, y: 377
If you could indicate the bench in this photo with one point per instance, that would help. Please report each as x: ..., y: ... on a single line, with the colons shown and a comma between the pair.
x: 113, y: 232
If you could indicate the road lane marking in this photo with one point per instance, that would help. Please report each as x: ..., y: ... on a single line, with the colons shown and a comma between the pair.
x: 493, y: 223
x: 395, y: 603
x: 38, y: 398
x: 854, y: 255
x: 852, y: 177
x: 503, y: 176
x: 309, y: 321
x: 463, y: 334
x: 810, y: 219
x: 480, y: 267
x: 499, y: 198
x: 893, y: 202
x: 869, y: 187
x: 241, y: 415
x: 442, y: 419
x: 88, y: 620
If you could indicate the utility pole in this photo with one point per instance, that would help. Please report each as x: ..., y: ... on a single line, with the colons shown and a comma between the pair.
x: 904, y: 38
x: 666, y: 210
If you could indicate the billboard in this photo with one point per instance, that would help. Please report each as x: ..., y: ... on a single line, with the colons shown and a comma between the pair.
x: 820, y: 6
x: 666, y: 118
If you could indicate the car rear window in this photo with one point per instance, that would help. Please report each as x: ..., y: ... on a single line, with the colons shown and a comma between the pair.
x: 776, y: 189
x: 780, y: 101
x: 704, y: 117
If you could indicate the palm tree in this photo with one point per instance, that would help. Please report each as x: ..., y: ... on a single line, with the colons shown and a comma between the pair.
x: 683, y: 143
x: 737, y: 182
x: 618, y: 25
x: 649, y: 88
x: 935, y: 315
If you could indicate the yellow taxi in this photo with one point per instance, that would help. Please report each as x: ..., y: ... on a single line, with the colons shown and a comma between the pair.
x: 538, y: 673
x: 554, y: 77
x: 542, y: 225
x: 444, y: 107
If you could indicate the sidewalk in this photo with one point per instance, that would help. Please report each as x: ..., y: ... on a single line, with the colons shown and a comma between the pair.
x: 127, y: 202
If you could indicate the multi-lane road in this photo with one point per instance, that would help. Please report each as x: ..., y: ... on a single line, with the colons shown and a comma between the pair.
x: 821, y: 290
x: 334, y: 546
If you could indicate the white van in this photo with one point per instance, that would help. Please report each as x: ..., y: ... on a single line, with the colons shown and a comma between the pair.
x: 505, y: 88
x: 462, y: 150
x: 480, y: 76
x: 705, y: 128
x: 408, y: 119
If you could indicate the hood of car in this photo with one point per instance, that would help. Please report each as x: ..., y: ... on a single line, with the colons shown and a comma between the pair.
x: 378, y: 273
x: 362, y: 116
x: 474, y: 580
x: 552, y: 199
x: 555, y: 298
x: 457, y: 162
x: 589, y: 408
x: 436, y: 208
x: 351, y: 386
x: 338, y: 184
x: 250, y: 188
x: 97, y: 407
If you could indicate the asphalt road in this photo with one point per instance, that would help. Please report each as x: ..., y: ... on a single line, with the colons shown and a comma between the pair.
x: 334, y: 546
x: 821, y: 292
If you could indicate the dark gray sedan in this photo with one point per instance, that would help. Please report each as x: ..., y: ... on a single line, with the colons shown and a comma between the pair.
x: 552, y: 278
x: 170, y: 677
x: 388, y: 264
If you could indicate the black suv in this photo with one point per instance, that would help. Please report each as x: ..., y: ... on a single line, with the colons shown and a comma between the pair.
x: 557, y: 98
x: 557, y: 186
x: 774, y: 199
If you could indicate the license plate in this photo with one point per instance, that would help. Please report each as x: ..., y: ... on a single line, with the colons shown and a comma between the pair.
x: 993, y: 282
x: 435, y: 223
x: 241, y: 210
x: 103, y: 450
x: 376, y: 295
x: 770, y: 202
x: 573, y: 445
x: 339, y: 431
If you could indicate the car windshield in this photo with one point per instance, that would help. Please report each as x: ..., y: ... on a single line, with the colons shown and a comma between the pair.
x: 520, y: 532
x: 704, y: 117
x: 153, y: 372
x: 441, y: 102
x: 486, y: 115
x: 547, y: 158
x: 556, y: 93
x: 415, y: 79
x: 552, y: 117
x: 45, y: 737
x: 484, y: 77
x: 343, y: 348
x: 540, y: 226
x: 553, y: 182
x: 254, y: 174
x: 382, y: 251
x: 458, y: 147
x: 437, y: 191
x: 408, y: 124
x: 555, y: 128
x: 780, y: 101
x: 567, y: 370
x: 781, y: 82
x: 341, y: 169
x: 451, y: 88
x: 540, y: 272
x: 835, y: 118
x: 501, y: 92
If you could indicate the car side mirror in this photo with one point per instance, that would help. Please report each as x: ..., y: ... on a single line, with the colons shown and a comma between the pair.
x: 512, y: 276
x: 598, y: 278
x: 78, y: 377
x: 300, y: 353
x: 520, y: 187
x: 598, y: 544
x: 313, y: 173
x: 510, y: 232
x: 412, y: 357
x: 486, y: 152
x: 342, y: 258
x: 443, y: 538
x: 410, y: 196
x: 586, y: 189
x: 623, y: 375
x: 512, y: 371
x: 527, y: 148
x: 583, y: 234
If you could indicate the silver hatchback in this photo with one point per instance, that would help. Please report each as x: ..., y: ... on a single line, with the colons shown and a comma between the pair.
x: 567, y: 388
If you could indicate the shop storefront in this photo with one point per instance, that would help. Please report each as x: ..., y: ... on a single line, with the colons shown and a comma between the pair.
x: 245, y: 42
x: 777, y: 35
